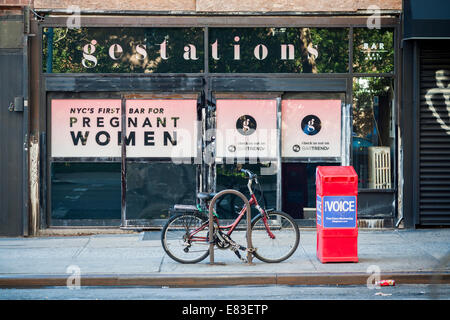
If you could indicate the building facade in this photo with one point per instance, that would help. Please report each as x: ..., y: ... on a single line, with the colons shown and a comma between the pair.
x: 123, y: 109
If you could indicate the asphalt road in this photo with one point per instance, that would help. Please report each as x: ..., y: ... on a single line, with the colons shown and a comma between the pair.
x: 398, y: 292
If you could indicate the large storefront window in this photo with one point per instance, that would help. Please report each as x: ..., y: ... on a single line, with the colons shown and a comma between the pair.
x: 277, y: 99
x: 373, y: 132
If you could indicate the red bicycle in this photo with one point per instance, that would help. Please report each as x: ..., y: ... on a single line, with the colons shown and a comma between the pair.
x: 185, y: 237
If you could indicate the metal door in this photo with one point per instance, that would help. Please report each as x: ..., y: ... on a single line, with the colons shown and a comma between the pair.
x: 13, y: 128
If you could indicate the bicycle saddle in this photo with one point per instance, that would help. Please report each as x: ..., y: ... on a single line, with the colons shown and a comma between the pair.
x: 206, y: 196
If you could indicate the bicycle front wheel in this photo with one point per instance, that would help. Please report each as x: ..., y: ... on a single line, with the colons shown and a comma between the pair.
x: 277, y: 242
x: 184, y: 239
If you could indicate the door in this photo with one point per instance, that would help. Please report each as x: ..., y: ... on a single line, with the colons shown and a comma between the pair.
x: 160, y: 155
x: 13, y: 130
x: 312, y: 134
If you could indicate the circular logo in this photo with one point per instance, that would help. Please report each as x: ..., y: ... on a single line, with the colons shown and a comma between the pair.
x: 311, y: 125
x: 296, y: 148
x: 231, y: 148
x: 246, y: 125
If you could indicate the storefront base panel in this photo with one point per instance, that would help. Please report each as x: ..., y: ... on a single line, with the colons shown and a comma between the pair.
x: 85, y: 223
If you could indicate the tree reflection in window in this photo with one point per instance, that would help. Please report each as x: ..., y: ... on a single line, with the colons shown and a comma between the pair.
x: 139, y: 50
x: 373, y: 50
x: 123, y: 50
x: 288, y: 50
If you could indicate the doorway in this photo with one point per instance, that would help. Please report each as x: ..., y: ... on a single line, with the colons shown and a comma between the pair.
x: 313, y: 133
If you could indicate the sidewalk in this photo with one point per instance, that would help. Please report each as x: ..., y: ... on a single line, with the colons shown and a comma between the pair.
x: 407, y: 256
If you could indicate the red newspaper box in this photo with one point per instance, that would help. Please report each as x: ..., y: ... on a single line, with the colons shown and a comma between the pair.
x: 336, y: 219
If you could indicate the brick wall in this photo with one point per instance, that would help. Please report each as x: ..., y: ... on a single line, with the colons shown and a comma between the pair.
x: 15, y: 2
x: 13, y: 6
x: 132, y: 5
x: 296, y: 5
x: 221, y: 5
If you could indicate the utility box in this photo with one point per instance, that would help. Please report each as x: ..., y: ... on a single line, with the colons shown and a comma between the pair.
x: 336, y: 212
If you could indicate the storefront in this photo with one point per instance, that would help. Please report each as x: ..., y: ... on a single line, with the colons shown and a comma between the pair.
x: 136, y: 118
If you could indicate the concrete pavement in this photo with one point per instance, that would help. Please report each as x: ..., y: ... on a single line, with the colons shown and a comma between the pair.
x: 407, y: 256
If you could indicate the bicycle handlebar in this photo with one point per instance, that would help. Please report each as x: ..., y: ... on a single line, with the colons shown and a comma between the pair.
x: 250, y: 174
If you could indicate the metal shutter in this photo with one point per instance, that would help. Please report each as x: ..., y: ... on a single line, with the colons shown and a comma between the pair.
x: 434, y: 133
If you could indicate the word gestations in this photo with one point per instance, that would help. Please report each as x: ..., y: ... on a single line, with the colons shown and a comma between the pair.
x: 139, y: 52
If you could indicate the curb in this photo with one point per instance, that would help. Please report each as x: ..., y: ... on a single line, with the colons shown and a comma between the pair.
x: 201, y: 280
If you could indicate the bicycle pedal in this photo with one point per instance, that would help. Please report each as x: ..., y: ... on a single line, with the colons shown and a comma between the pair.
x: 236, y: 252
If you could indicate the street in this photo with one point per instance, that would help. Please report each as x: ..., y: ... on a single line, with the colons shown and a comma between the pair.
x: 398, y: 292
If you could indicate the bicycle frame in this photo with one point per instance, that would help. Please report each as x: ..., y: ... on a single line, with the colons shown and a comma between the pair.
x: 253, y: 202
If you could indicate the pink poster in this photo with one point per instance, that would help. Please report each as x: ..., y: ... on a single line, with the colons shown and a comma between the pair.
x: 154, y: 128
x: 162, y: 128
x: 246, y: 128
x: 85, y: 127
x: 311, y: 128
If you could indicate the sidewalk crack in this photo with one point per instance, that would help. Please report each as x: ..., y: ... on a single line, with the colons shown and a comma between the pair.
x: 79, y: 251
x: 306, y: 254
x: 161, y: 263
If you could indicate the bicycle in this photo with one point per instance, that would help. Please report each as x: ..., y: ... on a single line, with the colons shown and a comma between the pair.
x: 185, y: 237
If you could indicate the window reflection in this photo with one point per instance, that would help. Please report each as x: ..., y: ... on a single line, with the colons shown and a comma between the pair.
x: 281, y: 50
x: 155, y: 187
x: 123, y: 50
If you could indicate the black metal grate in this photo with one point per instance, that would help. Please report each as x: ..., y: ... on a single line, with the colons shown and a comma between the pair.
x: 434, y: 134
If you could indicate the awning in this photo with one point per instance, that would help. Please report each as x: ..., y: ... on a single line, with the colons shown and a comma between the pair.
x: 426, y: 19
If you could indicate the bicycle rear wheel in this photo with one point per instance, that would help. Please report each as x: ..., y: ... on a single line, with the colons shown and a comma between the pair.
x: 181, y: 241
x: 282, y: 245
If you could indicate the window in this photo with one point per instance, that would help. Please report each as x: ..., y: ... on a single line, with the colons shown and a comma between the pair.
x: 229, y: 177
x: 282, y: 50
x: 154, y: 187
x: 373, y: 50
x: 373, y: 131
x: 84, y: 191
x: 123, y: 50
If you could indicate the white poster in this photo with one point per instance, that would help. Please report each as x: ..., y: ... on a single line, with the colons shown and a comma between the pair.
x: 246, y: 128
x: 311, y: 128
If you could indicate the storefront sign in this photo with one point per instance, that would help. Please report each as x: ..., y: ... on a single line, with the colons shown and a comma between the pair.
x: 181, y: 50
x: 154, y: 128
x: 311, y: 128
x: 246, y: 129
x: 374, y: 51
